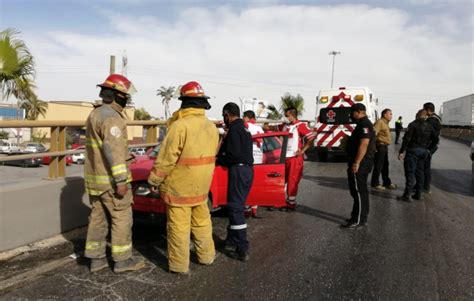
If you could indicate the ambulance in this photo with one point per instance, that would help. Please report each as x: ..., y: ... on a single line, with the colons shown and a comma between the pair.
x: 333, y: 120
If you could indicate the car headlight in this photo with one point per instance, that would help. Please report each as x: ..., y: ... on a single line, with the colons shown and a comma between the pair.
x: 143, y: 189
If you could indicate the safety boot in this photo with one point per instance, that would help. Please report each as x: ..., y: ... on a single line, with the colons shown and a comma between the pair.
x: 229, y: 246
x: 97, y: 264
x: 241, y: 255
x: 416, y: 196
x: 405, y: 198
x: 131, y: 264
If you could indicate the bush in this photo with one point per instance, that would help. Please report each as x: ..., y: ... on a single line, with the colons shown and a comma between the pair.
x: 4, y: 134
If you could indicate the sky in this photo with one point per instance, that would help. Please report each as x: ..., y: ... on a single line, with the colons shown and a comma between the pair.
x: 406, y: 52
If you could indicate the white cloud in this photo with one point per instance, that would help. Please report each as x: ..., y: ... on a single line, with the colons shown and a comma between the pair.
x: 264, y: 52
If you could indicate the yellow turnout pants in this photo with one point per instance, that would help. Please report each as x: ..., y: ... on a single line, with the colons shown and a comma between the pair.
x: 182, y: 223
x: 109, y: 210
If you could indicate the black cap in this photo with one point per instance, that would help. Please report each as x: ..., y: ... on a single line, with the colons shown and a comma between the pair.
x: 358, y: 107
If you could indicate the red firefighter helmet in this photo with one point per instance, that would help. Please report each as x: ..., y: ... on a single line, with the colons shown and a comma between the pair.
x: 192, y: 89
x: 120, y: 83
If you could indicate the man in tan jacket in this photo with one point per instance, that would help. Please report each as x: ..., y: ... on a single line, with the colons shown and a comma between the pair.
x: 107, y: 179
x: 183, y: 173
x: 384, y: 139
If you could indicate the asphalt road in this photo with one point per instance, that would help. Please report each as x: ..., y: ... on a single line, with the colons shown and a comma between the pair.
x: 409, y: 251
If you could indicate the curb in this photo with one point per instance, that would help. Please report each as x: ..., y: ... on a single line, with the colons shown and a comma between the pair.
x: 45, y: 243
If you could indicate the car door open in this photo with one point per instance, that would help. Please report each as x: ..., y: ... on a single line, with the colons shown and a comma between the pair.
x: 268, y: 188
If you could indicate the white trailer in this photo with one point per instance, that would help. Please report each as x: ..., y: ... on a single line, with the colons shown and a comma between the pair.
x: 459, y: 112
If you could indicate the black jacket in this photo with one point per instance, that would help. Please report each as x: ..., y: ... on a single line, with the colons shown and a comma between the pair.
x: 420, y: 134
x: 237, y: 146
x: 435, y: 122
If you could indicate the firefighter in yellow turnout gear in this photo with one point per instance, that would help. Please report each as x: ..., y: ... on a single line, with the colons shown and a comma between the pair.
x: 107, y: 179
x: 183, y: 172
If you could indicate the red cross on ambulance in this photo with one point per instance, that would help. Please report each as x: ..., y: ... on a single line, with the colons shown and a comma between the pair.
x: 331, y: 114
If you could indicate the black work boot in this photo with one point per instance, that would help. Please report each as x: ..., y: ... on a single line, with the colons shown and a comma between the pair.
x: 229, y: 246
x: 406, y: 198
x: 417, y: 196
x: 242, y: 255
x: 98, y: 264
x: 131, y: 264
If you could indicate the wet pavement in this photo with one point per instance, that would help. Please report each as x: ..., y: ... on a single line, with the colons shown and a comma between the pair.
x: 409, y: 251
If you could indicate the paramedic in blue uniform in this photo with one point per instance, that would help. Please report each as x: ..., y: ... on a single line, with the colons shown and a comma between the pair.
x: 236, y: 153
x: 360, y: 151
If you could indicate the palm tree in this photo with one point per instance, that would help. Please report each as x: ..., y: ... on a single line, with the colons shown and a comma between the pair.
x: 289, y: 100
x: 166, y: 94
x: 34, y: 107
x: 16, y: 67
x: 273, y: 113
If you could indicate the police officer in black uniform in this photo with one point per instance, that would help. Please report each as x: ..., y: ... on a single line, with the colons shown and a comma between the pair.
x: 236, y: 153
x: 435, y: 122
x: 360, y: 150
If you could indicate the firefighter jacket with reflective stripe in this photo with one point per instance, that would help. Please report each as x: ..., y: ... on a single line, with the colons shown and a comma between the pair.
x: 106, y: 149
x: 185, y: 165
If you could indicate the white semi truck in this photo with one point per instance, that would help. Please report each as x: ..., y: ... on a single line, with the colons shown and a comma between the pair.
x: 459, y: 112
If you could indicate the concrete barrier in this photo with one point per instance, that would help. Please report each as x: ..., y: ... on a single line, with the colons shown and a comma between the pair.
x: 42, y: 209
x: 462, y: 135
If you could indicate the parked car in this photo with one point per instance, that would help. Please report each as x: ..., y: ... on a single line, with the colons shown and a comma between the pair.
x: 268, y: 188
x: 47, y: 160
x: 8, y: 147
x: 34, y: 147
x: 22, y: 162
x: 79, y: 158
x: 138, y: 151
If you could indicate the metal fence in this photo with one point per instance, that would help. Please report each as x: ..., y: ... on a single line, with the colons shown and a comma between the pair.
x: 58, y: 152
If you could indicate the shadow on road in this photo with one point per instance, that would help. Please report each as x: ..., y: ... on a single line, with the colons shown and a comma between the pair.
x: 73, y: 212
x: 321, y: 214
x: 150, y: 241
x: 453, y: 181
x: 338, y: 183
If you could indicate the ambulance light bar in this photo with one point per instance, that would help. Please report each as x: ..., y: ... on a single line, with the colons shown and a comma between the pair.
x: 359, y: 97
x: 323, y: 99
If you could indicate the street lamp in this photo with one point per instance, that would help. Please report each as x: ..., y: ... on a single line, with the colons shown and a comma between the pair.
x: 333, y: 53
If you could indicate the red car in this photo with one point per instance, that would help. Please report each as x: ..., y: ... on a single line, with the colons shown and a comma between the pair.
x: 268, y: 188
x: 47, y: 160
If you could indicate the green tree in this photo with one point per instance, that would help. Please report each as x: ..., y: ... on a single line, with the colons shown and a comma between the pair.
x: 273, y: 113
x: 4, y: 134
x: 141, y: 114
x: 34, y: 107
x: 289, y: 100
x: 166, y: 95
x: 16, y: 67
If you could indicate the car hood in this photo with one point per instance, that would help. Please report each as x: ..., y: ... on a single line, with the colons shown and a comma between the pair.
x: 141, y: 168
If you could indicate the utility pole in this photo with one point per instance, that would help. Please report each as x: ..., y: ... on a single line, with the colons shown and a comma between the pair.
x: 112, y: 64
x: 333, y: 53
x: 124, y: 64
